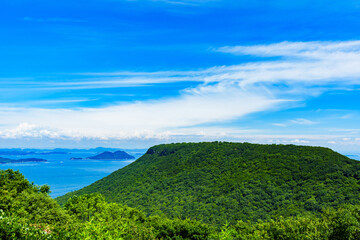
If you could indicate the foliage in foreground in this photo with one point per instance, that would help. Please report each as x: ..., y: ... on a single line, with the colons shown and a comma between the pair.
x: 310, y: 187
x: 27, y: 212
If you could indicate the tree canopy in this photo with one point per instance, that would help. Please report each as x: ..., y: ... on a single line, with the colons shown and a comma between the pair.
x: 223, y: 182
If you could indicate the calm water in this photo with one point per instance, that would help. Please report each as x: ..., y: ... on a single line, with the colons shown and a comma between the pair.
x: 62, y: 174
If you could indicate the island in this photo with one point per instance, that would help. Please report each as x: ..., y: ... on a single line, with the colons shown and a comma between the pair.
x: 15, y: 152
x: 51, y: 153
x: 8, y: 160
x: 117, y: 155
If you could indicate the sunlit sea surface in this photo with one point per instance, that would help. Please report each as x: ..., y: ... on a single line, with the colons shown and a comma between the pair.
x: 62, y: 174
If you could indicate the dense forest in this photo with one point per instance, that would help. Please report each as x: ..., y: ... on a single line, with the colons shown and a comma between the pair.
x: 27, y: 212
x: 220, y: 182
x: 197, y: 191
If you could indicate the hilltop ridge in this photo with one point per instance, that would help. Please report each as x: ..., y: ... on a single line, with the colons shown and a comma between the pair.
x: 220, y: 181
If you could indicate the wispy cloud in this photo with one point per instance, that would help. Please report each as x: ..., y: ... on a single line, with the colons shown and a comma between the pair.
x: 311, y: 63
x: 223, y: 93
x: 279, y: 124
x: 301, y: 66
x: 298, y: 121
x: 209, y: 104
x: 303, y: 121
x: 295, y: 49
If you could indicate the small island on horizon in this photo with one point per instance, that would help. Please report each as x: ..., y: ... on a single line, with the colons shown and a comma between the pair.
x: 17, y: 152
x: 107, y: 155
x: 8, y: 160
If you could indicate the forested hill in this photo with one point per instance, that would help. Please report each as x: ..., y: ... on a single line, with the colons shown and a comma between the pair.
x: 118, y: 155
x: 218, y: 182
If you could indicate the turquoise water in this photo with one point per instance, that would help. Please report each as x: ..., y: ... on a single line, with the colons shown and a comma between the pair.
x: 62, y: 174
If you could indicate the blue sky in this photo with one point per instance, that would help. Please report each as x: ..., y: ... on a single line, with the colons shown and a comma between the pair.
x: 142, y: 72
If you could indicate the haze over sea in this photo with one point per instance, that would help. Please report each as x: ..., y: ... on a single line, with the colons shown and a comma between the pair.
x: 64, y: 175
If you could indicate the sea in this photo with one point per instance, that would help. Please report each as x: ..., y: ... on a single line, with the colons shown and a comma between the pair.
x: 64, y: 175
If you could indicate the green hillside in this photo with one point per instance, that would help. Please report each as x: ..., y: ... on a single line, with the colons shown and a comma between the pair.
x: 225, y: 182
x: 27, y: 212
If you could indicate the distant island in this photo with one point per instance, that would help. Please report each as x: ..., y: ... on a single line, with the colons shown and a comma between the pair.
x: 15, y: 152
x: 117, y: 155
x: 21, y: 153
x: 8, y: 160
x: 51, y: 153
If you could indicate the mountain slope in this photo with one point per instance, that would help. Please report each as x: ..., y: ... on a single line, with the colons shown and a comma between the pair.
x: 218, y: 182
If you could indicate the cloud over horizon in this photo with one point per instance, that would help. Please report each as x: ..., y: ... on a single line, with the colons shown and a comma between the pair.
x: 288, y: 74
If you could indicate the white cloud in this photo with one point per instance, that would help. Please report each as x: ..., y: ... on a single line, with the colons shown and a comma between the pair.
x: 347, y: 131
x: 299, y: 141
x: 296, y: 49
x: 303, y: 121
x: 26, y: 130
x: 39, y: 135
x: 298, y: 121
x: 302, y: 66
x: 305, y: 70
x: 224, y: 93
x: 279, y: 124
x: 310, y: 63
x: 207, y: 104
